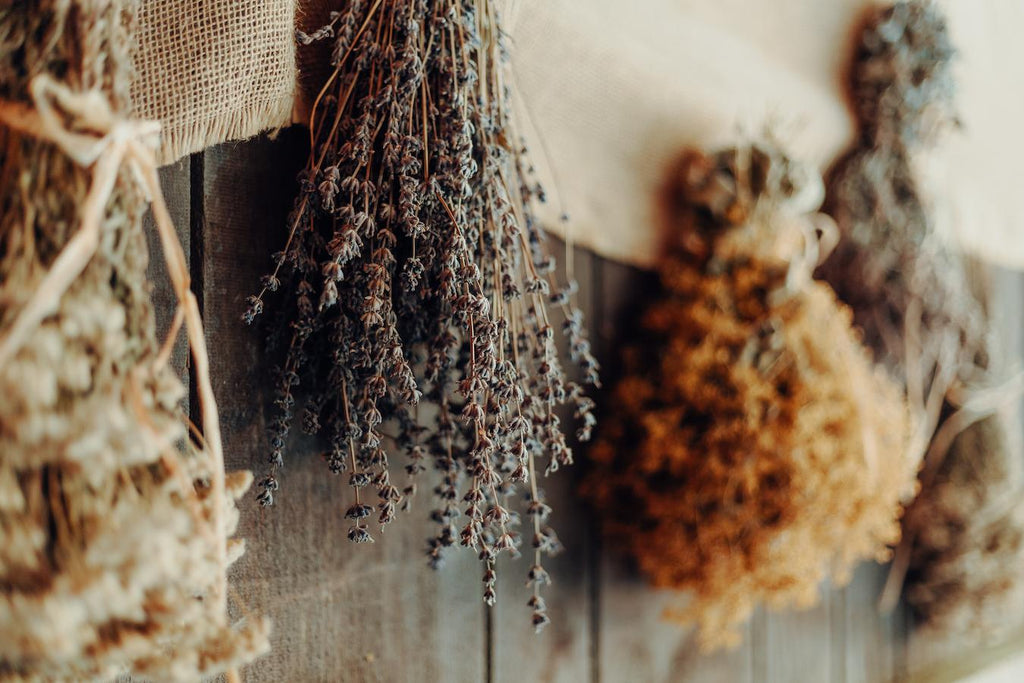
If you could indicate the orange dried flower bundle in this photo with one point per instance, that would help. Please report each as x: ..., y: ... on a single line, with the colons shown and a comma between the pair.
x: 751, y: 448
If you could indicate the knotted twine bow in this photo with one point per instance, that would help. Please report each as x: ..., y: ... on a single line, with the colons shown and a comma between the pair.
x: 85, y: 127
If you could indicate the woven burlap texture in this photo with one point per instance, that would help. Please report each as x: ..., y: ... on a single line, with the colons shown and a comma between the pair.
x: 214, y: 70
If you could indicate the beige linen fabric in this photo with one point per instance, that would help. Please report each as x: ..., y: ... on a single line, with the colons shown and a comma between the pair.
x: 976, y: 179
x: 615, y: 90
x: 214, y: 70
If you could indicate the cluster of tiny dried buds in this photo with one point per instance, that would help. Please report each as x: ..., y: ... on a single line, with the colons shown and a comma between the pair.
x: 415, y: 293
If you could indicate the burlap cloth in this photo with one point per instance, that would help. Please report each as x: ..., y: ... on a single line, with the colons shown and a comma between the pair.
x: 610, y: 91
x: 214, y: 70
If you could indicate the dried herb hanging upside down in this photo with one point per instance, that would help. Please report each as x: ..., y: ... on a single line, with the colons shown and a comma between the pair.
x: 910, y: 290
x: 751, y: 449
x: 414, y: 293
x: 114, y: 520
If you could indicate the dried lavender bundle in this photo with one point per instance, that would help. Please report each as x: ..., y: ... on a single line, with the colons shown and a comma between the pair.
x: 905, y: 285
x: 113, y: 521
x: 414, y: 291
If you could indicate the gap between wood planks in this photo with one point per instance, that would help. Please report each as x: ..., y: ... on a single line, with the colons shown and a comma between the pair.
x: 196, y: 263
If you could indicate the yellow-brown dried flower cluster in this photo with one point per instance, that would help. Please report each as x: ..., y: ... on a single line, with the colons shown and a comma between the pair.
x: 751, y: 448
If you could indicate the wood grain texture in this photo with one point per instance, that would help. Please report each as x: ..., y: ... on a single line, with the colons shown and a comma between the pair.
x: 776, y: 632
x: 340, y: 612
x: 638, y: 644
x: 869, y: 637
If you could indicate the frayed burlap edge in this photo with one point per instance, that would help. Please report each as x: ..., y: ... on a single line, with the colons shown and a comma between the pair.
x: 212, y: 71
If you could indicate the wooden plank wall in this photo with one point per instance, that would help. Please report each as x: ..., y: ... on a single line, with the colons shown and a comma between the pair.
x: 377, y: 613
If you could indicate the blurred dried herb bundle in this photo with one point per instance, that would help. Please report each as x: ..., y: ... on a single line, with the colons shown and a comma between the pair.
x: 911, y: 292
x: 890, y: 266
x: 113, y: 521
x: 414, y: 291
x: 968, y: 556
x: 908, y: 289
x: 751, y: 448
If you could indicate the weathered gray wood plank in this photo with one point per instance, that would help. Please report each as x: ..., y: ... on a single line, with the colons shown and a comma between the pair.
x: 778, y: 634
x: 563, y: 651
x: 869, y: 636
x: 638, y: 644
x: 837, y: 630
x: 175, y: 183
x: 340, y: 612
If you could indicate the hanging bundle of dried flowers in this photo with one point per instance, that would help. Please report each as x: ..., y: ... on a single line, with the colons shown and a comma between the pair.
x: 414, y: 288
x: 965, y: 582
x: 910, y: 292
x: 114, y: 522
x: 751, y: 448
x: 904, y: 284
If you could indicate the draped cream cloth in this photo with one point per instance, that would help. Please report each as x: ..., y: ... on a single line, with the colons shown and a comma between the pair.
x: 609, y: 92
x: 976, y: 178
x: 613, y: 91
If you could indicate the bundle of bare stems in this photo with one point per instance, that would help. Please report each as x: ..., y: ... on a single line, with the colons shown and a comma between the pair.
x: 114, y: 518
x: 414, y: 300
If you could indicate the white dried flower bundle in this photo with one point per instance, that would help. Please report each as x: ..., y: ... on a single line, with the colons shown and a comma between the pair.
x: 113, y: 517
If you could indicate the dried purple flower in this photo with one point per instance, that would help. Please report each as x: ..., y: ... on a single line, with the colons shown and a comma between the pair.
x: 415, y: 272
